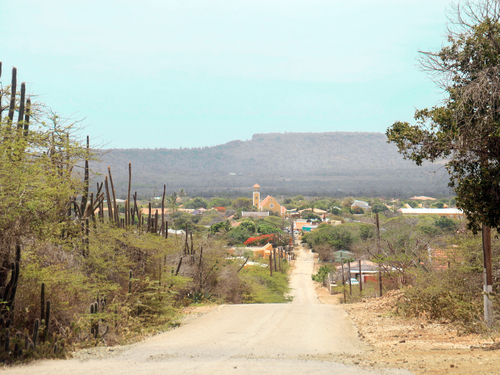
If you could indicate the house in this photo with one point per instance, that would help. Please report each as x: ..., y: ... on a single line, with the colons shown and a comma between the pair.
x: 452, y: 213
x: 316, y: 211
x: 258, y: 251
x: 269, y: 204
x: 362, y: 204
x: 369, y: 271
x: 422, y: 198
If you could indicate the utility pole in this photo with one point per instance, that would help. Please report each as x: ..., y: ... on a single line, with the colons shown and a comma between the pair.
x: 379, y: 253
x: 488, y: 276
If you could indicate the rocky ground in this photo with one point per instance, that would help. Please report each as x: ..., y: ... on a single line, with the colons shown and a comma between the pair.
x: 420, y: 346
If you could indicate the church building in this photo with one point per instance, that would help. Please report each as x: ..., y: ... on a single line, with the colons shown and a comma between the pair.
x: 268, y: 204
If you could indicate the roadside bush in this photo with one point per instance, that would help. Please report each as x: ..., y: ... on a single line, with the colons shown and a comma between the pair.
x: 259, y: 287
x: 446, y: 296
x: 322, y: 274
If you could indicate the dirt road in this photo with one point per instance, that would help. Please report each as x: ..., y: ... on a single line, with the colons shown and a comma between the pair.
x: 302, y: 337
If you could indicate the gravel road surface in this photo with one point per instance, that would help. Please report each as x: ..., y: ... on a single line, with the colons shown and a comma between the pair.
x: 301, y: 337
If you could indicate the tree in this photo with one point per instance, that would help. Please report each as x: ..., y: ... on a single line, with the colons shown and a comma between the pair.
x: 338, y: 237
x: 379, y: 207
x: 222, y: 227
x: 465, y: 130
x: 196, y: 203
x: 243, y: 202
x: 248, y: 225
x: 445, y: 223
x: 219, y: 202
x: 335, y: 210
x: 358, y: 210
x: 366, y: 231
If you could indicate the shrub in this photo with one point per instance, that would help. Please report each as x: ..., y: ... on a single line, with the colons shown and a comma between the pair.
x: 445, y: 295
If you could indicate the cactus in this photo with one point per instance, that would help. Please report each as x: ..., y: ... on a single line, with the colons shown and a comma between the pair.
x: 36, y: 328
x: 47, y: 320
x: 42, y: 302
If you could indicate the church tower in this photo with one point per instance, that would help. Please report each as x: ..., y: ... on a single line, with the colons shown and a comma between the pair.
x: 256, y: 196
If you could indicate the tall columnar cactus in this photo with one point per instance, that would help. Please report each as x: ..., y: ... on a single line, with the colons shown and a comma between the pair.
x: 42, y: 302
x: 47, y: 321
x: 13, y: 88
x: 21, y: 109
x: 9, y: 293
x: 85, y: 193
x: 36, y: 330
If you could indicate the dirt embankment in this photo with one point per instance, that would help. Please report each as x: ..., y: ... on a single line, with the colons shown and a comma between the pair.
x: 420, y: 346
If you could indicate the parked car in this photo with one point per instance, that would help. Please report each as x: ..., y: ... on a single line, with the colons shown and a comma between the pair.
x: 354, y: 281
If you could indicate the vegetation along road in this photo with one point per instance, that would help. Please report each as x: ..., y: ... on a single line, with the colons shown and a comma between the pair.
x: 300, y: 337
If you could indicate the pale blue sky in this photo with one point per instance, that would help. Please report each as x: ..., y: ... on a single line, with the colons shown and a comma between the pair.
x: 201, y: 73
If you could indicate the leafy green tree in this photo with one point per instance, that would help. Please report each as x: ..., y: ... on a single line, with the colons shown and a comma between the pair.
x: 465, y: 130
x: 222, y: 227
x: 37, y: 183
x: 219, y: 202
x: 268, y: 228
x: 445, y: 223
x: 197, y: 202
x: 357, y: 210
x: 366, y: 231
x: 248, y: 225
x: 243, y: 203
x: 335, y: 210
x: 239, y: 235
x: 310, y: 216
x: 379, y: 207
x: 338, y: 237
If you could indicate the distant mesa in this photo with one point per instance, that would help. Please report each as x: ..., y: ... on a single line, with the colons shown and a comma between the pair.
x: 316, y: 164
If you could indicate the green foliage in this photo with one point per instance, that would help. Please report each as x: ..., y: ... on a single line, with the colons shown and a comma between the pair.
x: 219, y: 202
x: 268, y: 228
x: 197, y: 202
x: 322, y: 274
x: 259, y: 287
x: 239, y: 235
x: 366, y: 231
x: 465, y: 130
x: 335, y: 210
x: 445, y: 223
x: 222, y: 227
x: 445, y: 296
x: 338, y: 237
x: 357, y: 210
x: 379, y: 207
x: 248, y: 225
x: 310, y: 216
x: 243, y: 203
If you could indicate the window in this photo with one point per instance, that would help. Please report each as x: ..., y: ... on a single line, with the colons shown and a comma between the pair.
x: 271, y: 205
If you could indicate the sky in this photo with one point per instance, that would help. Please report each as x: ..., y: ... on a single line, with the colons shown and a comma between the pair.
x: 188, y: 73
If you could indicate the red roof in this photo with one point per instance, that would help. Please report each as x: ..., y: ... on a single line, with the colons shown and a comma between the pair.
x: 256, y: 186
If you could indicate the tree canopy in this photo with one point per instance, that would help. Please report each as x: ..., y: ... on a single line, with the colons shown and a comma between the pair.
x: 465, y: 130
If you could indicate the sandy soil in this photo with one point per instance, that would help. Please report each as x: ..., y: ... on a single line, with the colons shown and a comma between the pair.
x: 420, y: 346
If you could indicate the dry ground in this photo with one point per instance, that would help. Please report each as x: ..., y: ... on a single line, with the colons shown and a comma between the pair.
x: 420, y: 346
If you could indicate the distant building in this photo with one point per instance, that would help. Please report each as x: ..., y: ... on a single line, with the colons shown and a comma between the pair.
x: 422, y: 198
x: 452, y: 213
x: 269, y: 203
x: 254, y: 214
x: 362, y: 204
